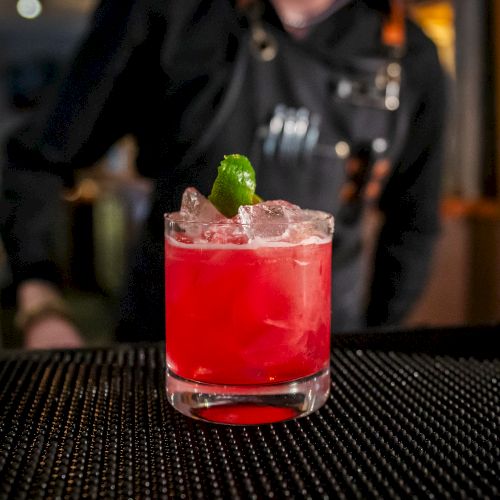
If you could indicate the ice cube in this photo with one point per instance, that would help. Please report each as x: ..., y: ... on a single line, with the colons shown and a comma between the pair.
x: 269, y: 220
x: 196, y: 207
x: 198, y: 221
x: 223, y: 234
x: 282, y: 221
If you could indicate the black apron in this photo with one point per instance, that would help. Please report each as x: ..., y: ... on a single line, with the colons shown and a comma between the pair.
x: 287, y: 114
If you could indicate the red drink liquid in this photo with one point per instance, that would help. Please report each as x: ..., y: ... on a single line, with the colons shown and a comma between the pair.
x: 247, y: 315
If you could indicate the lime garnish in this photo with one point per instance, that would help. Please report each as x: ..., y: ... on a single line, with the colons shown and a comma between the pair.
x: 234, y: 185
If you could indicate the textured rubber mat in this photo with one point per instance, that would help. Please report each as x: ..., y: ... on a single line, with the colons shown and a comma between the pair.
x: 96, y: 423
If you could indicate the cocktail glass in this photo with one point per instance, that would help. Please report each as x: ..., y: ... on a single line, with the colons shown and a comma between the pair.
x: 248, y: 319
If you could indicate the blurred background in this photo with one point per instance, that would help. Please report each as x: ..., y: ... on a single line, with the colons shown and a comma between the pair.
x: 105, y: 210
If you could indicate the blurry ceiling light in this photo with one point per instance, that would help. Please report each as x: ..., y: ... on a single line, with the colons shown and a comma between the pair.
x: 29, y: 9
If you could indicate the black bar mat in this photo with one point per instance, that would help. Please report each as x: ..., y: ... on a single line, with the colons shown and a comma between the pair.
x: 96, y: 423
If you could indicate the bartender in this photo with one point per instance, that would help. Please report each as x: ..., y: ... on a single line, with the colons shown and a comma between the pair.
x: 339, y: 105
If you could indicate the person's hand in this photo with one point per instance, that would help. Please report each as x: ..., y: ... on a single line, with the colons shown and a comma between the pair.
x: 52, y: 332
x: 43, y: 318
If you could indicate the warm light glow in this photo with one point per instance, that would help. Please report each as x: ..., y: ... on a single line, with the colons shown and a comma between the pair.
x: 437, y: 19
x: 29, y: 9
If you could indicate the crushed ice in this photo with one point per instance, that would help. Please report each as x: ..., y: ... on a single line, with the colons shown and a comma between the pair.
x: 270, y: 221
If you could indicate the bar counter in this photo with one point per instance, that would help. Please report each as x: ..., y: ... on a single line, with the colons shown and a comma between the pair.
x: 411, y: 414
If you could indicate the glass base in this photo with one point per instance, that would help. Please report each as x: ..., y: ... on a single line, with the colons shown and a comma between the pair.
x: 248, y: 404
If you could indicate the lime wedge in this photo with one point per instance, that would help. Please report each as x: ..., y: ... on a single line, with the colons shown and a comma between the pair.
x: 234, y: 185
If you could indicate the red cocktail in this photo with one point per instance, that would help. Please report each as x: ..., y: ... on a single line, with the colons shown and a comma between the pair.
x: 248, y: 318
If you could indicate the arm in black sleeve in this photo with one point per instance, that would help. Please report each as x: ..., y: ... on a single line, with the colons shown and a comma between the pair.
x: 410, y: 206
x: 90, y: 112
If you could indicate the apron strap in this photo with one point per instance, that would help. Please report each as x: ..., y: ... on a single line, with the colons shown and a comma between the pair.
x: 367, y: 175
x: 224, y: 110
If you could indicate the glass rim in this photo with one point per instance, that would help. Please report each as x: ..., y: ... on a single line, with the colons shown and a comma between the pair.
x: 317, y: 216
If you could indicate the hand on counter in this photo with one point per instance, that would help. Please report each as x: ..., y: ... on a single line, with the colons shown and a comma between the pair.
x: 52, y: 332
x: 44, y: 318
